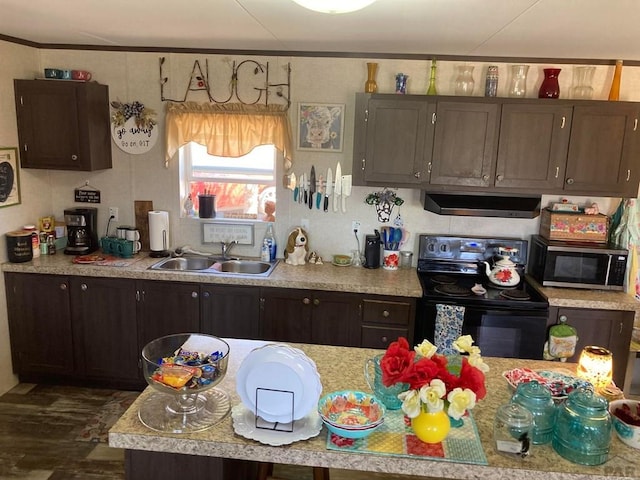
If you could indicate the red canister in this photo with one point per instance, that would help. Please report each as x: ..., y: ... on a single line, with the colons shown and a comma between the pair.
x: 19, y: 246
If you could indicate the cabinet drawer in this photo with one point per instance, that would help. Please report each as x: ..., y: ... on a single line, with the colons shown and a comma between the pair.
x: 380, y: 337
x: 395, y: 313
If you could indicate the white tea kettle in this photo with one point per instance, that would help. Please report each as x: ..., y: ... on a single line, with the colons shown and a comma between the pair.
x: 504, y: 272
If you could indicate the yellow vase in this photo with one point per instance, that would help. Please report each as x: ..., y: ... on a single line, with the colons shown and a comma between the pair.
x: 431, y: 427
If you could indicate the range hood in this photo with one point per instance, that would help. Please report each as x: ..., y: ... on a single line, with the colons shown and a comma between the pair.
x: 481, y: 205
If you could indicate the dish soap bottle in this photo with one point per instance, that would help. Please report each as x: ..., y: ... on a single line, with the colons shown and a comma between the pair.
x: 265, y: 255
x: 270, y: 240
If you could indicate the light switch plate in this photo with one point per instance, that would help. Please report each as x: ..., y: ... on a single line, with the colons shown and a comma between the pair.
x: 214, y: 233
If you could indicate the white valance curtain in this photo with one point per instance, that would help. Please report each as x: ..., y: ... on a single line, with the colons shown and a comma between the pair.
x: 228, y: 130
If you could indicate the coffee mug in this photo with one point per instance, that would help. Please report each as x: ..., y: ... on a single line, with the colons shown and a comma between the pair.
x: 121, y: 231
x: 390, y: 259
x: 81, y: 75
x: 132, y: 234
x: 109, y: 245
x: 52, y: 73
x: 387, y: 395
x: 65, y: 74
x: 125, y: 248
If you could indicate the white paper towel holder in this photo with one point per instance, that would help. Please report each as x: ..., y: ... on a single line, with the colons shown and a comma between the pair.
x: 164, y: 252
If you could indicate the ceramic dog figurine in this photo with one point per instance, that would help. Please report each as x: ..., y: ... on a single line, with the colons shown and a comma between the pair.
x: 296, y: 250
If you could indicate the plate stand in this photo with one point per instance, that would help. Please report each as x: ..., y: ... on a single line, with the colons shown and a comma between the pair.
x: 271, y: 395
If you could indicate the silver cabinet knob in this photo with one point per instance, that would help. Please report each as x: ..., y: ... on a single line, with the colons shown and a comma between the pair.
x: 563, y: 318
x: 74, y: 157
x: 316, y: 302
x: 570, y: 181
x: 500, y: 178
x: 84, y: 287
x: 306, y: 301
x: 194, y: 294
x: 485, y: 178
x: 63, y: 286
x: 206, y: 294
x: 417, y: 174
x: 385, y: 313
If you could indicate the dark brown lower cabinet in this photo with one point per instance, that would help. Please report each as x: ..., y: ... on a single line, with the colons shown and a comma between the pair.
x: 40, y: 324
x: 310, y: 316
x: 230, y: 311
x: 384, y: 319
x: 165, y: 308
x: 143, y: 465
x: 104, y: 324
x: 610, y: 329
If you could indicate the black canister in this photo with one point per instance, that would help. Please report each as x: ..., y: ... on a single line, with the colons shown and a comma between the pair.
x: 19, y: 246
x: 206, y: 206
x: 372, y: 251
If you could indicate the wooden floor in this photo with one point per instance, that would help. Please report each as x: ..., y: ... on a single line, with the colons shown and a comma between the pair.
x: 39, y: 426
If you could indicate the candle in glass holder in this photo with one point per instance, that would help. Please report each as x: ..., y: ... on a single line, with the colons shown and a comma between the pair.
x: 596, y: 366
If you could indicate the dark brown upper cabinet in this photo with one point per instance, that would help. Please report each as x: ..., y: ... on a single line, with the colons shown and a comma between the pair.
x: 465, y: 143
x: 394, y: 139
x: 533, y: 143
x: 63, y: 125
x: 497, y: 145
x: 604, y: 148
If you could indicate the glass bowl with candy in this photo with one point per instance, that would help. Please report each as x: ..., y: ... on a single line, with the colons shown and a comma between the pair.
x: 183, y: 369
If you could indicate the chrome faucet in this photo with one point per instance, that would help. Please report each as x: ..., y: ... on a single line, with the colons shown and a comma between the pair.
x: 226, y: 248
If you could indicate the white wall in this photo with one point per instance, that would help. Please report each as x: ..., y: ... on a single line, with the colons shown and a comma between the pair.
x: 135, y: 76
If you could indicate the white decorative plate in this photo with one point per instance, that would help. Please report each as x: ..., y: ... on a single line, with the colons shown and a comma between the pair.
x: 271, y: 371
x: 244, y: 424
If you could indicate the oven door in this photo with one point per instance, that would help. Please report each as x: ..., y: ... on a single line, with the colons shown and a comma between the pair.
x: 498, y: 333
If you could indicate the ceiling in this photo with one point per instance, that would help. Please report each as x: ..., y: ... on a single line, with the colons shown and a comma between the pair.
x: 568, y: 29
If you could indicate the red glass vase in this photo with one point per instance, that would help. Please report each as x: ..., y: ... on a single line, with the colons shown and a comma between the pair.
x: 550, y: 87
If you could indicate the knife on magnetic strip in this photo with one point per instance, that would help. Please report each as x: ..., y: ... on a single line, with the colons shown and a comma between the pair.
x: 312, y: 186
x: 329, y: 190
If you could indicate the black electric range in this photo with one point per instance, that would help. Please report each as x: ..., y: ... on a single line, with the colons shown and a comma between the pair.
x: 507, y: 322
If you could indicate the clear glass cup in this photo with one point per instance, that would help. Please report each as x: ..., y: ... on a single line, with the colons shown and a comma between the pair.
x: 582, y: 81
x: 356, y: 258
x: 518, y: 85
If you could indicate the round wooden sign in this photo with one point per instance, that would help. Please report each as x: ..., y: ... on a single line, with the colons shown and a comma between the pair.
x: 134, y: 139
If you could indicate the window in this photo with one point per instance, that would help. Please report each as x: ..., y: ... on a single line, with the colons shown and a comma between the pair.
x: 244, y: 186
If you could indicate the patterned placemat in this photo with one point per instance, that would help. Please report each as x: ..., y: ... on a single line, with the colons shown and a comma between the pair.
x: 395, y: 438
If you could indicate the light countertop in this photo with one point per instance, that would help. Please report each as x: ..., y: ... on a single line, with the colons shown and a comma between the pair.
x: 401, y: 282
x: 342, y: 368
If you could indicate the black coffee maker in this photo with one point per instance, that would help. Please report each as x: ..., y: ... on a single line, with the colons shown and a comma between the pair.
x: 372, y: 244
x: 82, y: 234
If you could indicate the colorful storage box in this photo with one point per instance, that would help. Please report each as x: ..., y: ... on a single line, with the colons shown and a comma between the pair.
x: 577, y: 227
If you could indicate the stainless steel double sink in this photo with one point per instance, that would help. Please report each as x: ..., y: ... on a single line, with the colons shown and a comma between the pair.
x: 254, y: 268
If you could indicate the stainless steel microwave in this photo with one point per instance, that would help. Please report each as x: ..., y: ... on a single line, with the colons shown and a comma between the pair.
x: 577, y: 265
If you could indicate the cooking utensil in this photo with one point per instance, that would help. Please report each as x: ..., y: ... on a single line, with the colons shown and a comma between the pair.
x: 312, y: 186
x: 329, y: 189
x: 346, y: 191
x: 397, y: 238
x: 337, y: 190
x: 320, y: 196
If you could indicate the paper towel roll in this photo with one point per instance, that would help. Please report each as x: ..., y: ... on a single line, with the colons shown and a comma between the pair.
x: 158, y: 230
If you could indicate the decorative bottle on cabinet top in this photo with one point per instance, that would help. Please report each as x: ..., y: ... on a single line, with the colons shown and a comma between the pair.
x: 432, y: 79
x: 464, y: 80
x: 614, y: 93
x: 370, y: 85
x: 550, y: 87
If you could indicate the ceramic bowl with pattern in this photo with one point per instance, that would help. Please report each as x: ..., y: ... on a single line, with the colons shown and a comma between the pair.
x: 351, y: 413
x: 625, y: 415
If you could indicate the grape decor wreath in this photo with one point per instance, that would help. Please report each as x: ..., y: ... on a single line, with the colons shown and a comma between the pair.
x: 384, y: 201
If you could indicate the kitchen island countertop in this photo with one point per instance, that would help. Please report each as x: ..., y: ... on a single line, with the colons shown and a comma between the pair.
x: 342, y: 368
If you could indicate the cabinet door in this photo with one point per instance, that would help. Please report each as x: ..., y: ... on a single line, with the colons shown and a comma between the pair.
x: 603, y: 150
x: 309, y: 316
x: 464, y: 149
x: 63, y: 125
x: 230, y: 311
x: 286, y: 315
x: 40, y: 330
x: 533, y: 145
x: 104, y: 325
x: 335, y: 318
x: 399, y: 136
x: 165, y: 308
x: 610, y: 329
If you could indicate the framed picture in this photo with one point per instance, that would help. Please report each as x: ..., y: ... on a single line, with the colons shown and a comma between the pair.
x: 9, y: 177
x: 320, y: 127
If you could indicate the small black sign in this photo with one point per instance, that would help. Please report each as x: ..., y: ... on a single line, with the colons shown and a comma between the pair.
x: 87, y: 196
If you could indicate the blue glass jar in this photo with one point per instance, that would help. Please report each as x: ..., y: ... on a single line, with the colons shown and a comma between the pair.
x: 582, y: 433
x: 537, y: 399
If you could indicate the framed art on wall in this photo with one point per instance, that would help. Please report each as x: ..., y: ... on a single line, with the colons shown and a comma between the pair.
x: 320, y: 126
x: 9, y: 177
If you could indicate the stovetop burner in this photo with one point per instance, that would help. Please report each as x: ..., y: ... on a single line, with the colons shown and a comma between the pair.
x: 513, y: 294
x: 452, y: 290
x: 443, y: 279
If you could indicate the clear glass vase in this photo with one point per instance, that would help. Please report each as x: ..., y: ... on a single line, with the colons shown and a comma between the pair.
x: 464, y: 80
x: 582, y: 81
x: 518, y: 85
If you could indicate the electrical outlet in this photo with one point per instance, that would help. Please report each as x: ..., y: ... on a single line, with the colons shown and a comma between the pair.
x: 355, y: 225
x: 304, y: 223
x: 113, y: 212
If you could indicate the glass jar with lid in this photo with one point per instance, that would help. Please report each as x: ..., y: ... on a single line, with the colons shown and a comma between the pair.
x: 582, y: 433
x: 512, y: 430
x: 536, y: 398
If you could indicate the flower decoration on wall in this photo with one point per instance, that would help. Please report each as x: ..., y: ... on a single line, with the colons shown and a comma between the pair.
x: 143, y: 117
x: 384, y: 201
x: 437, y: 382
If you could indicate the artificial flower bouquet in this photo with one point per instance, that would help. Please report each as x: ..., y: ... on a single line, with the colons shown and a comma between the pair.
x: 436, y: 381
